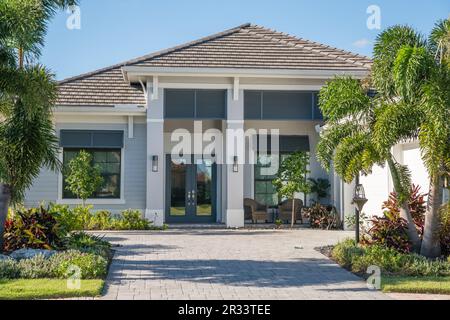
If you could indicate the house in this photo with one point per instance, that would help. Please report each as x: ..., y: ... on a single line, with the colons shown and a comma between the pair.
x: 150, y: 122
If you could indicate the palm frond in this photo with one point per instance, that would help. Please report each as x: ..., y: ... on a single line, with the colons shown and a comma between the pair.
x: 330, y: 139
x: 411, y: 69
x: 386, y: 47
x: 343, y: 97
x: 395, y: 122
x: 439, y: 41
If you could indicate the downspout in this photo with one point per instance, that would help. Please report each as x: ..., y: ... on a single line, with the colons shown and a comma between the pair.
x: 144, y: 88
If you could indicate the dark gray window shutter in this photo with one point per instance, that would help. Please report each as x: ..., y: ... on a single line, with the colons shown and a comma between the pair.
x: 91, y: 139
x: 210, y: 104
x: 317, y: 112
x: 285, y: 105
x: 253, y: 105
x: 289, y: 144
x: 179, y: 103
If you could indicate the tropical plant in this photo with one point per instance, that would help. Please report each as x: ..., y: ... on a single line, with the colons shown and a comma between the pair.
x: 413, y: 78
x: 389, y: 231
x: 27, y: 95
x: 416, y: 204
x: 347, y: 140
x: 320, y: 187
x: 131, y: 220
x: 88, y: 243
x: 444, y: 230
x: 83, y: 178
x: 323, y: 217
x: 358, y: 258
x: 292, y: 178
x: 32, y: 228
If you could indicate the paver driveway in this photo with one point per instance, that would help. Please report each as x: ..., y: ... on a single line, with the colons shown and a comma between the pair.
x: 229, y: 264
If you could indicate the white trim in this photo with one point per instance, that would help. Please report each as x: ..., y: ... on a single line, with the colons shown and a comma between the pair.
x: 130, y: 127
x: 92, y: 201
x: 290, y: 87
x: 236, y: 89
x: 181, y: 85
x: 122, y: 200
x: 118, y: 110
x: 155, y: 88
x: 237, y: 72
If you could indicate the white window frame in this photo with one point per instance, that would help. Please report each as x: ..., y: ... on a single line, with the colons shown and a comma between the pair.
x: 119, y: 201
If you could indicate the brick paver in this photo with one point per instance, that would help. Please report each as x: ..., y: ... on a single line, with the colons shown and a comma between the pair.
x: 229, y: 264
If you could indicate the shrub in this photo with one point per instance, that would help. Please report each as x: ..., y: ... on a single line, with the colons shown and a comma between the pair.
x: 36, y: 268
x: 131, y: 220
x: 389, y: 231
x: 100, y: 220
x: 416, y: 204
x: 32, y: 228
x: 323, y: 217
x: 390, y: 261
x: 345, y: 252
x: 88, y: 243
x: 92, y: 266
x: 9, y: 269
x: 445, y: 230
x: 82, y: 218
x: 66, y: 217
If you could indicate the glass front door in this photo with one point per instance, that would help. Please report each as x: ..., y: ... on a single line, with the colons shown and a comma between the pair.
x: 190, y: 191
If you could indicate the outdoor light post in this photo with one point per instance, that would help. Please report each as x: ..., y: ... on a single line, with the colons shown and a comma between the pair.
x: 359, y: 200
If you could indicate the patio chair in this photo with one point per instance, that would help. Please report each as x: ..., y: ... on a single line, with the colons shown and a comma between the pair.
x: 285, y: 210
x: 255, y: 211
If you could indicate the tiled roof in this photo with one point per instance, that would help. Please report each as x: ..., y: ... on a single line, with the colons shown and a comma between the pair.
x: 247, y: 46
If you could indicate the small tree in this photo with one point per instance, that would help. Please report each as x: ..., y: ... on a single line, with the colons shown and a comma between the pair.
x: 83, y: 178
x: 292, y: 178
x: 320, y: 187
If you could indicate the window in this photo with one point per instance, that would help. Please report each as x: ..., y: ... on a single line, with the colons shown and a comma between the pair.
x: 109, y: 162
x: 194, y: 104
x: 281, y: 105
x: 265, y: 192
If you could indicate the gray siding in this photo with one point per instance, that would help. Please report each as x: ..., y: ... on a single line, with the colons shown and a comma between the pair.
x: 45, y: 187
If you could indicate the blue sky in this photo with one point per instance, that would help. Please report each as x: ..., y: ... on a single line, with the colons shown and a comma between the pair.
x: 113, y: 31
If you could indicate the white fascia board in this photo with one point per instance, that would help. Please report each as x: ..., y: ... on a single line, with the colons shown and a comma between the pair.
x: 118, y: 110
x: 134, y: 71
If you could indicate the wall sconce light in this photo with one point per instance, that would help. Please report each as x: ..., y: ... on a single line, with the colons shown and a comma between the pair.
x: 235, y: 164
x: 155, y: 163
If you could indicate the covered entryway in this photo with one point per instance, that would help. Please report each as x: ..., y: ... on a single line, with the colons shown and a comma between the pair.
x: 190, y: 190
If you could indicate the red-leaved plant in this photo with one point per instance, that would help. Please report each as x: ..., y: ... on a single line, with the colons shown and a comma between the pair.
x: 391, y: 230
x: 416, y: 203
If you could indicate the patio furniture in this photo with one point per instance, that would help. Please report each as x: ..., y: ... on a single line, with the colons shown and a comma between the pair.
x: 285, y: 210
x: 254, y: 211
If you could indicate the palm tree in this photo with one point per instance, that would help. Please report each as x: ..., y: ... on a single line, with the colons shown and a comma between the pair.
x: 418, y: 85
x: 27, y: 95
x: 347, y: 140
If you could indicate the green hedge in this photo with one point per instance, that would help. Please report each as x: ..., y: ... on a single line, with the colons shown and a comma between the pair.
x: 359, y: 258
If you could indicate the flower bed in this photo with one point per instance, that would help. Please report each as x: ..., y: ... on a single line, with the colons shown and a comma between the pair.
x: 400, y: 272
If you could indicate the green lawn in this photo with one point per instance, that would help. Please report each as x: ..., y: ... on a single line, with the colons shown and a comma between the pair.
x: 23, y: 289
x: 436, y: 285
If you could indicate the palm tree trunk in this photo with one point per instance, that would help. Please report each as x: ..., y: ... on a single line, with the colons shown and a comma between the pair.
x: 21, y: 57
x: 293, y: 212
x: 431, y: 246
x: 5, y: 198
x: 404, y: 208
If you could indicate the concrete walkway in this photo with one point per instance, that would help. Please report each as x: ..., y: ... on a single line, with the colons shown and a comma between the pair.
x: 229, y: 264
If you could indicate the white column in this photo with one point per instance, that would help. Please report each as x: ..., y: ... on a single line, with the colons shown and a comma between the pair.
x: 234, y: 216
x: 155, y: 147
